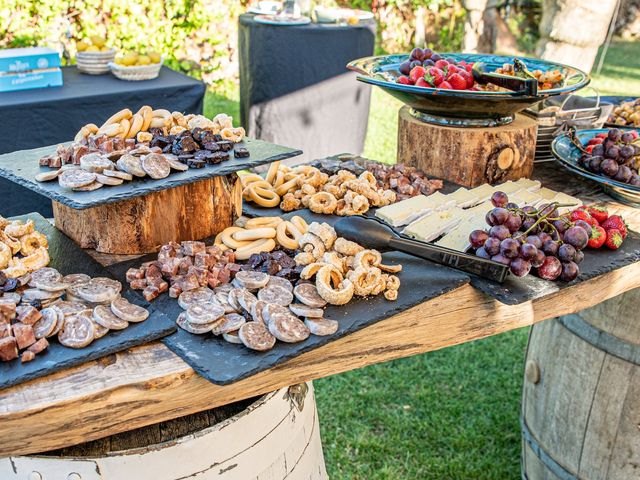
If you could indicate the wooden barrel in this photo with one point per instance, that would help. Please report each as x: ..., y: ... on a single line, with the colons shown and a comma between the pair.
x: 271, y: 437
x: 581, y: 395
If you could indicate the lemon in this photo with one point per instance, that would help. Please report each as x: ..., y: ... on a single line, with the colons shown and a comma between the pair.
x: 105, y: 49
x: 130, y: 59
x: 92, y: 48
x: 154, y: 57
x: 81, y: 46
x: 98, y: 41
x: 144, y: 60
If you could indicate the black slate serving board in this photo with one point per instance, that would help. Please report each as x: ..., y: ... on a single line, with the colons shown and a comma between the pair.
x: 67, y: 257
x: 21, y: 167
x: 223, y: 363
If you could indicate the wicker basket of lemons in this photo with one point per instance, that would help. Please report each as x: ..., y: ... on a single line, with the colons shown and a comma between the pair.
x: 134, y: 66
x: 94, y: 55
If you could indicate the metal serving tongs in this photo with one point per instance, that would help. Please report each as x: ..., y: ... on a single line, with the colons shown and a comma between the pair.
x: 375, y: 234
x: 523, y: 82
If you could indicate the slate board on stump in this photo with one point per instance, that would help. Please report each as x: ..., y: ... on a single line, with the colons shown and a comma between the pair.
x: 22, y: 167
x: 68, y: 258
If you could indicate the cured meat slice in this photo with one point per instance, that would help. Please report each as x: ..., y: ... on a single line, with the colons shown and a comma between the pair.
x: 128, y: 311
x: 270, y: 309
x: 78, y: 331
x: 107, y: 282
x: 28, y: 314
x: 302, y: 310
x: 24, y: 335
x: 27, y: 356
x: 203, y: 313
x: 76, y: 178
x: 232, y: 337
x: 256, y: 311
x: 223, y: 300
x: 8, y: 349
x: 89, y: 188
x: 131, y: 165
x: 321, y: 326
x: 251, y: 280
x: 45, y: 274
x: 72, y: 308
x: 232, y: 298
x: 199, y: 295
x: 95, y: 292
x: 228, y: 323
x: 246, y: 299
x: 103, y: 316
x: 107, y: 180
x: 76, y: 279
x: 176, y: 164
x: 287, y: 328
x: 47, y: 324
x: 118, y: 174
x: 10, y: 297
x: 36, y: 294
x: 255, y: 336
x: 39, y: 346
x: 280, y: 282
x: 95, y: 163
x: 47, y: 176
x: 275, y: 294
x: 156, y: 166
x: 307, y: 293
x: 98, y: 330
x: 184, y: 324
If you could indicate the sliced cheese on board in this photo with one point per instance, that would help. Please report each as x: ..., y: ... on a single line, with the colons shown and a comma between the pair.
x: 563, y: 198
x: 435, y: 224
x: 546, y: 193
x: 458, y: 237
x: 525, y: 197
x: 464, y: 197
x: 483, y: 192
x: 406, y: 211
x: 508, y: 187
x: 531, y: 185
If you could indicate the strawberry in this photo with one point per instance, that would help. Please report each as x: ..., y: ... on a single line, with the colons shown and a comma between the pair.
x: 615, y: 222
x: 416, y: 72
x: 403, y: 80
x: 634, y: 134
x: 598, y: 237
x: 468, y: 77
x: 580, y: 215
x: 451, y: 69
x: 598, y: 213
x: 421, y: 82
x: 595, y: 141
x: 469, y: 67
x: 601, y: 135
x: 442, y: 64
x: 457, y: 82
x: 614, y: 239
x: 434, y: 76
x: 445, y: 85
x: 589, y: 148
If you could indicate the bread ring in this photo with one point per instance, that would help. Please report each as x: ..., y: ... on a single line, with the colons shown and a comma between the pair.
x: 85, y: 131
x: 299, y: 223
x: 125, y: 126
x: 287, y: 186
x: 259, y: 222
x: 158, y: 122
x: 110, y: 130
x: 335, y: 294
x: 323, y: 202
x: 5, y: 255
x: 136, y: 125
x: 280, y: 179
x: 229, y: 241
x: 118, y: 117
x: 17, y: 228
x: 248, y: 178
x: 147, y: 115
x: 161, y: 113
x: 31, y: 242
x: 254, y: 234
x: 218, y: 242
x: 257, y: 246
x: 288, y: 235
x: 273, y: 171
x: 263, y: 197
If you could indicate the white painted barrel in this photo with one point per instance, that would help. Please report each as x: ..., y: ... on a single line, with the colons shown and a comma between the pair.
x: 274, y: 438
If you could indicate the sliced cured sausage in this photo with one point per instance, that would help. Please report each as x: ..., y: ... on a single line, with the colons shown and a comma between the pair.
x: 246, y: 299
x: 78, y: 331
x: 251, y: 280
x: 107, y: 180
x: 255, y: 336
x: 95, y: 163
x: 131, y: 165
x: 280, y: 282
x: 276, y: 294
x: 76, y: 279
x: 47, y: 324
x: 302, y: 310
x: 76, y: 178
x: 256, y: 311
x: 232, y: 337
x: 36, y: 294
x: 122, y: 308
x: 95, y: 292
x: 72, y: 308
x: 288, y: 328
x: 156, y: 166
x: 271, y: 309
x: 232, y: 298
x: 98, y: 330
x: 118, y: 174
x: 46, y: 275
x: 204, y: 313
x: 176, y: 164
x: 199, y: 295
x: 307, y: 293
x: 321, y: 326
x: 103, y: 315
x: 228, y: 323
x: 88, y: 188
x: 184, y: 324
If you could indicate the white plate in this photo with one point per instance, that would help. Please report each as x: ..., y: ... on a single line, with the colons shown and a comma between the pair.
x: 281, y: 20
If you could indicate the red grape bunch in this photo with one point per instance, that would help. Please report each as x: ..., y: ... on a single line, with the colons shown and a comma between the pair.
x: 532, y: 239
x: 615, y: 154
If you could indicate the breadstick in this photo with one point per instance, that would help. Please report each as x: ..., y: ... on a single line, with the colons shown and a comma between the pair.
x: 229, y: 241
x: 136, y: 125
x: 258, y: 246
x: 254, y: 234
x: 263, y: 197
x: 85, y: 131
x: 259, y: 222
x: 282, y: 235
x: 273, y: 171
x: 117, y: 117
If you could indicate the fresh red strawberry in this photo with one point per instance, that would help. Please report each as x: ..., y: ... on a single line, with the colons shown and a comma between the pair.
x: 451, y: 69
x: 416, y: 73
x: 589, y: 148
x: 634, y: 134
x: 442, y: 64
x: 462, y: 63
x: 445, y: 85
x: 434, y: 76
x: 468, y: 77
x: 598, y: 237
x: 457, y: 82
x: 614, y: 239
x: 615, y: 222
x: 599, y: 213
x: 595, y: 141
x: 469, y: 67
x: 421, y: 82
x: 403, y: 80
x: 602, y: 135
x: 579, y: 214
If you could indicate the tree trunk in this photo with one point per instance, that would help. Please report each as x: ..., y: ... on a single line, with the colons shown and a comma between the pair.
x: 572, y: 30
x: 473, y: 24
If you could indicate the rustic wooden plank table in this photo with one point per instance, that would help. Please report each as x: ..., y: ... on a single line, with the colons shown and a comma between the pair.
x: 150, y: 384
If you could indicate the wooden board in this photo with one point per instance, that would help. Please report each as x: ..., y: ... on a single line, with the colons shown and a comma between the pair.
x: 468, y: 156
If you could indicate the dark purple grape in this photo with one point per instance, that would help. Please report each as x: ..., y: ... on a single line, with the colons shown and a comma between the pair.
x: 579, y: 257
x: 635, y: 180
x: 501, y: 259
x: 560, y: 225
x: 539, y: 260
x: 500, y: 232
x: 544, y: 236
x: 435, y: 57
x: 614, y: 134
x: 481, y: 252
x: 566, y: 252
x: 598, y: 150
x: 584, y: 159
x: 584, y: 225
x: 427, y: 52
x: 510, y: 248
x: 489, y: 219
x: 624, y: 174
x: 498, y: 215
x: 577, y: 237
x: 609, y: 167
x: 415, y: 63
x: 428, y: 63
x: 528, y: 223
x: 612, y: 152
x: 520, y: 267
x: 627, y: 152
x: 417, y: 53
x: 528, y: 209
x: 534, y: 240
x: 550, y: 247
x: 513, y: 223
x: 608, y: 143
x: 548, y: 210
x: 405, y: 68
x: 595, y: 164
x: 626, y: 137
x: 492, y: 246
x: 569, y: 271
x: 550, y: 269
x: 528, y: 251
x: 511, y: 206
x: 499, y: 199
x: 477, y: 238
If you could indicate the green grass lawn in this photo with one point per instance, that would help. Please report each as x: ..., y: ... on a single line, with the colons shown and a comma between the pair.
x: 449, y: 414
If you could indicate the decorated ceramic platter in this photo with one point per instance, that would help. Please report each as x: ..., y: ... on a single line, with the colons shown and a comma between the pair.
x: 466, y: 107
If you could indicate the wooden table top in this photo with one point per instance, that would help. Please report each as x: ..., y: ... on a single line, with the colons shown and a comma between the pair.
x: 150, y: 384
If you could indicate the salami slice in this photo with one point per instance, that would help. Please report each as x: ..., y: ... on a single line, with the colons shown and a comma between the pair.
x: 223, y: 300
x: 276, y: 294
x: 228, y: 323
x: 12, y: 297
x: 88, y: 188
x: 176, y: 164
x: 118, y: 174
x: 232, y: 337
x: 199, y: 295
x: 103, y: 315
x: 246, y: 299
x: 95, y: 292
x: 95, y: 163
x: 72, y: 308
x: 76, y: 178
x: 232, y: 298
x: 49, y: 286
x: 46, y: 274
x: 156, y: 166
x: 255, y: 336
x: 307, y: 293
x: 31, y: 294
x: 224, y: 288
x: 203, y: 313
x: 251, y: 280
x: 106, y: 180
x: 47, y: 176
x: 76, y: 279
x: 280, y: 282
x: 287, y: 328
x: 302, y: 310
x: 321, y: 326
x: 98, y: 330
x: 270, y: 309
x: 131, y: 165
x: 184, y: 324
x: 47, y: 324
x: 78, y: 331
x: 122, y: 308
x: 107, y: 282
x: 59, y: 323
x: 256, y: 311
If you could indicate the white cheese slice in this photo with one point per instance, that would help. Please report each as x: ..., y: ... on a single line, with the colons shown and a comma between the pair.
x: 508, y: 187
x: 525, y: 197
x: 432, y: 226
x: 546, y: 193
x: 458, y: 237
x: 479, y: 210
x: 464, y: 198
x: 531, y: 185
x: 406, y: 211
x: 563, y: 198
x: 483, y: 192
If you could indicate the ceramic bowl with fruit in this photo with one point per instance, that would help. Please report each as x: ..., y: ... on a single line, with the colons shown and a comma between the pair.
x: 94, y: 55
x: 467, y: 89
x: 134, y: 66
x: 610, y: 157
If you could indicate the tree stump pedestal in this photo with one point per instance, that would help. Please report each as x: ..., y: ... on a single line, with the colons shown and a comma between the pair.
x: 469, y: 156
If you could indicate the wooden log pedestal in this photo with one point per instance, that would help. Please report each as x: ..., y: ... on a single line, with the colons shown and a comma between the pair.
x: 143, y: 224
x: 469, y: 156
